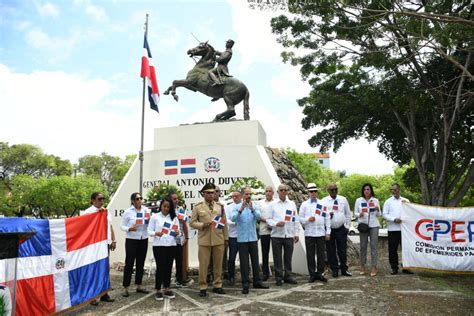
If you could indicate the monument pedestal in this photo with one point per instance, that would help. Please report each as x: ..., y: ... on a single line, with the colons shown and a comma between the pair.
x: 189, y: 156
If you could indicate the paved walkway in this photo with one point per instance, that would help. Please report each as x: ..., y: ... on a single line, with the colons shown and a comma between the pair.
x: 357, y: 295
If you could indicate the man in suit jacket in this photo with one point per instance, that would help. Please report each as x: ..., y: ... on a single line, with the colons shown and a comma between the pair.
x: 212, y: 238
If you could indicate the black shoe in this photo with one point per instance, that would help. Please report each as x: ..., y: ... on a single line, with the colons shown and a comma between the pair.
x: 159, y: 296
x: 107, y: 298
x: 335, y: 274
x: 260, y: 285
x: 125, y: 293
x: 279, y: 283
x: 407, y: 271
x: 202, y: 293
x: 291, y: 281
x: 231, y: 281
x: 265, y: 277
x: 95, y: 303
x: 394, y: 271
x: 245, y: 290
x: 169, y: 295
x: 346, y: 273
x: 312, y: 279
x: 218, y: 290
x: 142, y: 290
x: 321, y: 278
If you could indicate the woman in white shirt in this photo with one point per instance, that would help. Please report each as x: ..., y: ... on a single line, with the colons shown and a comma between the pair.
x: 134, y: 223
x: 367, y: 210
x: 164, y: 226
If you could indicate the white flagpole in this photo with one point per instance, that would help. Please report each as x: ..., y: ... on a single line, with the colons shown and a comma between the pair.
x: 140, y: 154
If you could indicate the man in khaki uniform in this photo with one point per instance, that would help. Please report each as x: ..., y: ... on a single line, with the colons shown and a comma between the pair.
x: 211, y: 239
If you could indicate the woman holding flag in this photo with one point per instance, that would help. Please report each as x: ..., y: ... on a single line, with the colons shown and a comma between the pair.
x: 164, y: 226
x: 367, y: 209
x: 135, y: 223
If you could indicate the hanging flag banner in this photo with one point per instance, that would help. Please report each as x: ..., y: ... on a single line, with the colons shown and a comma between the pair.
x: 63, y: 266
x: 438, y: 238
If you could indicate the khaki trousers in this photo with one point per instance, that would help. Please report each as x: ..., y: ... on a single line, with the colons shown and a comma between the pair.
x: 204, y: 255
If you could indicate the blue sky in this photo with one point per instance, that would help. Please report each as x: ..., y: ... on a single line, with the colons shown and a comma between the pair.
x: 70, y: 75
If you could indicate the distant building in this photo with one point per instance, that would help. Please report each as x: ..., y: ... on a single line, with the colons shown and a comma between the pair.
x: 322, y: 159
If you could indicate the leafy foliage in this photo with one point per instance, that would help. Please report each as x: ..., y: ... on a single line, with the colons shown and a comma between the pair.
x: 396, y: 72
x: 110, y: 170
x: 161, y: 192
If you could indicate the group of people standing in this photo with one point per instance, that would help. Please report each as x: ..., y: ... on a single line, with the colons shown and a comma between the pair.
x: 225, y: 231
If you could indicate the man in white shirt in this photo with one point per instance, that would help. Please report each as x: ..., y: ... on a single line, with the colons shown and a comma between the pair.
x: 340, y: 214
x: 233, y: 247
x: 392, y: 209
x: 283, y: 219
x: 265, y: 231
x: 317, y: 229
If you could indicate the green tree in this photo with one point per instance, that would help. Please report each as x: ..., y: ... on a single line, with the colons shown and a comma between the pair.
x: 110, y: 170
x: 29, y: 160
x: 311, y: 170
x: 51, y: 197
x: 393, y: 71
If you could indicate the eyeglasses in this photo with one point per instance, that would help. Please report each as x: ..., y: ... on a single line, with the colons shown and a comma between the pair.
x: 138, y: 198
x: 313, y: 191
x: 333, y: 189
x: 282, y: 190
x: 100, y: 198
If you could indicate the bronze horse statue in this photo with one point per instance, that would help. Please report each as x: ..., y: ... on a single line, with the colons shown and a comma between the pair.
x: 233, y: 91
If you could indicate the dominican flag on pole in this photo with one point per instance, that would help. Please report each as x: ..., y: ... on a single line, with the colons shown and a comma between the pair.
x: 148, y: 71
x: 65, y: 265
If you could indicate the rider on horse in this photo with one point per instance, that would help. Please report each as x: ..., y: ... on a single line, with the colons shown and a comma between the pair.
x: 222, y: 61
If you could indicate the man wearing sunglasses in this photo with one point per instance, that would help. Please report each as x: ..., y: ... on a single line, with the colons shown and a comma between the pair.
x: 283, y: 219
x: 340, y: 214
x: 97, y: 205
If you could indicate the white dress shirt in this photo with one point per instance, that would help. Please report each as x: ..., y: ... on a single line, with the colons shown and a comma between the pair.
x: 230, y: 224
x: 157, y: 222
x: 276, y: 213
x: 321, y: 225
x: 392, y: 209
x: 129, y: 219
x: 264, y: 228
x: 94, y: 209
x: 358, y: 209
x: 342, y: 211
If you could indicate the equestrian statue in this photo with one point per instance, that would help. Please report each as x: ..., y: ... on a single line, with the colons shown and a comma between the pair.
x: 212, y: 81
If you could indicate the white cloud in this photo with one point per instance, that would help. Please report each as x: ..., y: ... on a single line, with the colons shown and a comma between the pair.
x: 47, y: 9
x: 94, y: 11
x: 288, y: 84
x: 255, y: 41
x: 39, y: 39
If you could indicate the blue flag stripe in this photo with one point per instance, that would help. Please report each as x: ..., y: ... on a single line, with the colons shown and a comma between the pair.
x: 171, y: 163
x: 39, y: 244
x: 188, y: 170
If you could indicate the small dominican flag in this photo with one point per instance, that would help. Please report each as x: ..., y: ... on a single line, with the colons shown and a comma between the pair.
x: 364, y: 207
x: 335, y: 206
x: 371, y: 206
x: 290, y: 216
x: 182, y: 216
x: 169, y: 229
x: 143, y: 218
x: 180, y: 166
x: 148, y: 71
x: 320, y: 210
x: 64, y: 265
x: 218, y: 222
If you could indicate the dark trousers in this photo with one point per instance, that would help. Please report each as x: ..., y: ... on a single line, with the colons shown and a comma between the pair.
x: 135, y: 252
x: 337, y: 249
x: 265, y: 241
x: 280, y: 245
x: 179, y: 264
x: 394, y: 240
x: 315, y: 246
x: 247, y: 249
x: 233, y: 249
x: 164, y: 257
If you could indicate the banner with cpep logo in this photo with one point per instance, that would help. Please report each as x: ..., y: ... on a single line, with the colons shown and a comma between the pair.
x: 438, y: 238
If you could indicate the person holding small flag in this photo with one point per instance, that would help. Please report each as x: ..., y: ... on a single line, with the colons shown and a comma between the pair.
x: 164, y: 227
x: 245, y: 216
x: 135, y: 223
x: 317, y: 229
x: 283, y: 219
x: 265, y: 231
x: 367, y: 211
x: 341, y: 216
x: 207, y: 217
x: 182, y: 239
